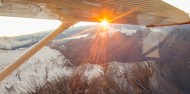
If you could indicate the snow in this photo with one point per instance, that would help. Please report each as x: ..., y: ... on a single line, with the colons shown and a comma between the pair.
x: 93, y: 71
x: 41, y: 67
x: 124, y: 30
x: 78, y: 36
x: 89, y: 71
x: 74, y: 37
x: 127, y: 31
x: 11, y: 43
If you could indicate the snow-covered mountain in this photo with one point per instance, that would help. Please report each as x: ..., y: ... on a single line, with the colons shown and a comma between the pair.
x: 41, y: 67
x: 147, y: 77
x: 166, y: 74
x: 105, y: 63
x: 8, y: 43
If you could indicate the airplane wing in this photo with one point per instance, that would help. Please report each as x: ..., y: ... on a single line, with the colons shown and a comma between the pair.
x: 139, y: 12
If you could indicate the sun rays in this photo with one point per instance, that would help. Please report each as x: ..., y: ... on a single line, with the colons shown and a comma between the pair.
x: 95, y: 49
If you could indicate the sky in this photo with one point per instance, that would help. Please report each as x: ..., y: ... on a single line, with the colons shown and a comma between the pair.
x: 181, y: 4
x: 13, y: 26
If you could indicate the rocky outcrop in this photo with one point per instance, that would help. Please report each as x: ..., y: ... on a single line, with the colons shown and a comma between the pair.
x: 148, y: 77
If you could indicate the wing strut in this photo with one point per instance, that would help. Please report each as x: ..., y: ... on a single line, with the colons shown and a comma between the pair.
x: 13, y: 66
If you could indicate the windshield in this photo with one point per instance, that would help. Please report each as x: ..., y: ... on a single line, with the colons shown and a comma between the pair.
x: 125, y: 47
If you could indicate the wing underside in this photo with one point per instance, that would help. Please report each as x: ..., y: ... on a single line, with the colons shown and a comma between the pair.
x: 140, y: 12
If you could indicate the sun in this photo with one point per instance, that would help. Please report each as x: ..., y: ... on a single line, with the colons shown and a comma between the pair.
x: 105, y: 24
